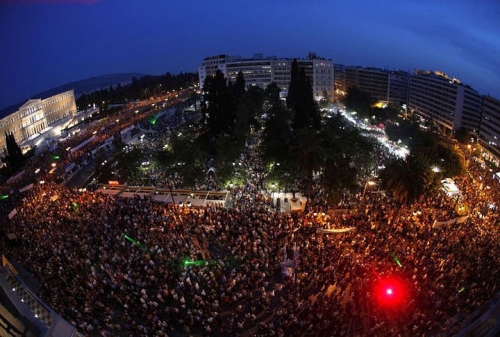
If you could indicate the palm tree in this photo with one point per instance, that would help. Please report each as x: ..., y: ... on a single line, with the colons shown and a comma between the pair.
x: 407, y: 179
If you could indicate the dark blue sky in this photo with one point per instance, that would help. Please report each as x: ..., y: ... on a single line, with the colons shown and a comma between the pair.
x: 46, y: 43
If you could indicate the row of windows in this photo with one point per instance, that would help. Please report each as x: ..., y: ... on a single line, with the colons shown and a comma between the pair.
x: 44, y: 103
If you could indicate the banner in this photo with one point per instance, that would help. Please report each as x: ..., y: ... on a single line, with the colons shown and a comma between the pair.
x: 26, y: 188
x: 334, y: 230
x: 11, y: 214
x: 458, y: 220
x: 16, y: 176
x: 6, y: 263
x: 83, y: 144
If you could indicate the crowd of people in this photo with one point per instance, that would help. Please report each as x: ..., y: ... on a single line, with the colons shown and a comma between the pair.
x: 136, y: 267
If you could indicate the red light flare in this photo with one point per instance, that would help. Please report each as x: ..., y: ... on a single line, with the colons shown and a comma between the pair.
x: 390, y: 292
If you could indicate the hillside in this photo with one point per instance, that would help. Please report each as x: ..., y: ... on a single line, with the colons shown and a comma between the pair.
x: 86, y: 85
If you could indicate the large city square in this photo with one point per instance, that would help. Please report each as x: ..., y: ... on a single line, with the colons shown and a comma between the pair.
x: 124, y: 263
x: 251, y: 169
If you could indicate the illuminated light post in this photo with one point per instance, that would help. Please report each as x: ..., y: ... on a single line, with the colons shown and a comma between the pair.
x: 369, y: 182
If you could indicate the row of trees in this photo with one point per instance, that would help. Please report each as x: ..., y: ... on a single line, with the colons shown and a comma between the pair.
x: 431, y: 159
x: 140, y: 88
x: 295, y: 144
x: 364, y: 105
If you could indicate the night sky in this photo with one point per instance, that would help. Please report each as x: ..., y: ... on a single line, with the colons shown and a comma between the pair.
x: 47, y: 43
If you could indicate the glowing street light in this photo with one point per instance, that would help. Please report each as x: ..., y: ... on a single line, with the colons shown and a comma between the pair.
x: 369, y: 182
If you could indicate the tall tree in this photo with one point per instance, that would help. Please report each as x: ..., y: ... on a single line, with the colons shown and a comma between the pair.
x: 256, y: 97
x: 293, y: 87
x: 359, y: 101
x: 239, y: 87
x: 276, y: 137
x: 14, y: 154
x: 219, y: 105
x: 300, y: 100
x: 308, y: 156
x: 272, y: 95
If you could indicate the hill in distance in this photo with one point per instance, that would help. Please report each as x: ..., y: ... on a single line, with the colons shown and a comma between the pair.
x: 86, y: 85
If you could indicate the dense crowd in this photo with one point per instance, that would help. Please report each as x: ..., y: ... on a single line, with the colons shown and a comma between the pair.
x: 137, y: 267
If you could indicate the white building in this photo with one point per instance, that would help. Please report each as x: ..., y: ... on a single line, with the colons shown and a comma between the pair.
x: 39, y: 119
x: 261, y: 71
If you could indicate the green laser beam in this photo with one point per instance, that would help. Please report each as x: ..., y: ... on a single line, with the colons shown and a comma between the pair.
x: 196, y: 263
x: 130, y: 239
x: 396, y: 260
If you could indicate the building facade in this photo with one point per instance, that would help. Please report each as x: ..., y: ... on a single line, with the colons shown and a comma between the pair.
x: 398, y: 87
x: 261, y: 71
x: 444, y: 100
x: 489, y: 131
x: 371, y: 80
x: 385, y: 86
x: 340, y: 84
x: 37, y: 119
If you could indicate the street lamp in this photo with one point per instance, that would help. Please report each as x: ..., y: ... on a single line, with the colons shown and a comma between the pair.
x: 369, y: 182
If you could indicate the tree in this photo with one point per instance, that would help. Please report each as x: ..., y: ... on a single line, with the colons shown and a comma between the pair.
x: 407, y: 179
x: 436, y: 151
x: 242, y: 123
x: 218, y: 106
x: 405, y: 131
x: 15, y: 156
x: 325, y: 100
x: 307, y: 156
x: 293, y: 87
x: 359, y: 101
x: 255, y: 96
x: 305, y: 110
x: 463, y: 135
x: 276, y: 137
x: 239, y: 87
x: 347, y: 153
x: 272, y: 95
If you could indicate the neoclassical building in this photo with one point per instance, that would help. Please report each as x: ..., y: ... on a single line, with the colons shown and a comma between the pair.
x: 39, y: 119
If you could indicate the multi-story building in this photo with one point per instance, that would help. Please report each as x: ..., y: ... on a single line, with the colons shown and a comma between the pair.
x: 489, y: 130
x: 261, y: 71
x: 210, y: 65
x: 371, y: 80
x: 339, y: 76
x: 36, y: 119
x: 398, y: 87
x: 385, y: 86
x: 445, y: 100
x: 257, y: 70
